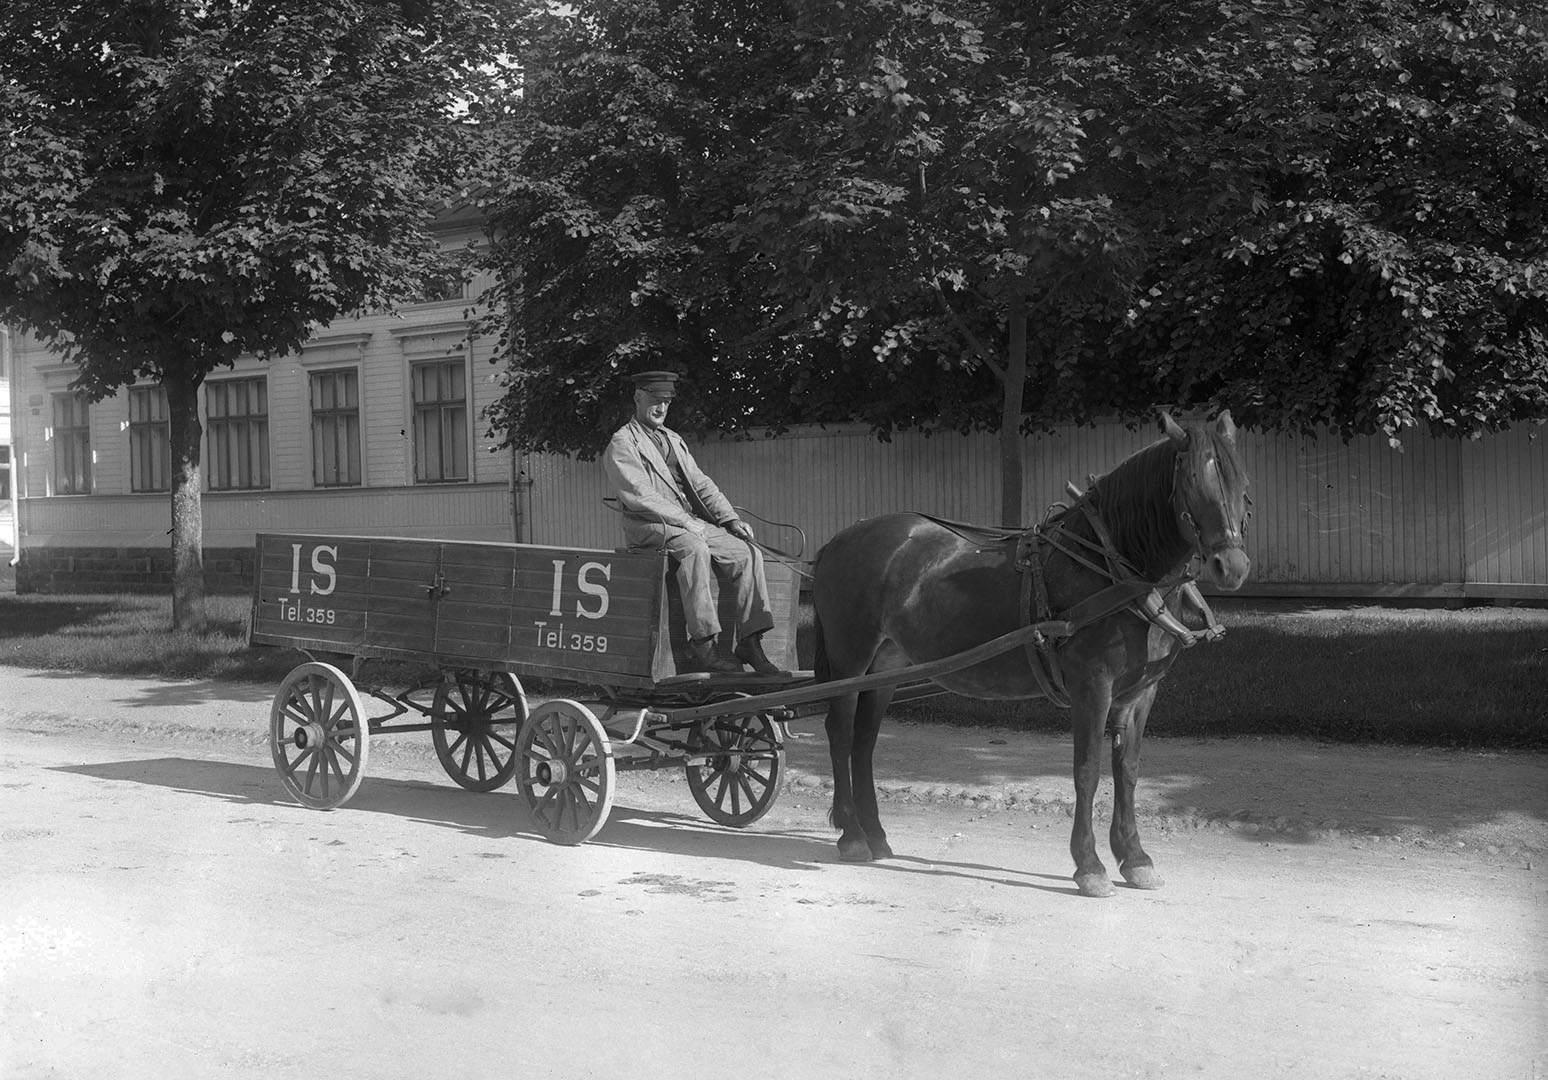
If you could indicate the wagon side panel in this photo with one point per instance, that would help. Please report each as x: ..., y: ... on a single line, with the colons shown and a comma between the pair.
x: 477, y: 599
x: 402, y: 591
x: 590, y: 616
x: 310, y: 592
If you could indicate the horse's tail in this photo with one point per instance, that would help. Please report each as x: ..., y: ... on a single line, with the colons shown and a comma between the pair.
x: 822, y: 670
x: 820, y: 667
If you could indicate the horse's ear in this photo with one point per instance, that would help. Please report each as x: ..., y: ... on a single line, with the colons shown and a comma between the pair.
x: 1226, y: 427
x: 1173, y: 431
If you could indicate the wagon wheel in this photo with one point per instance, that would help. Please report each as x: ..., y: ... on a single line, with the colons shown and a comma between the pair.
x: 468, y: 711
x: 741, y: 779
x: 565, y: 771
x: 319, y: 735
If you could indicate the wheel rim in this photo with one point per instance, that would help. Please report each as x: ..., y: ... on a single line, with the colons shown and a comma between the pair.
x: 565, y: 771
x: 741, y: 779
x: 318, y: 736
x: 469, y: 711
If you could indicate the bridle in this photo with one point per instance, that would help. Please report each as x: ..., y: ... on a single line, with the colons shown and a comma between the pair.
x: 1235, y: 535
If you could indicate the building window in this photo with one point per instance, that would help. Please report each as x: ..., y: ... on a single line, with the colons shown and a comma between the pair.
x: 440, y: 422
x: 336, y: 428
x: 238, y: 429
x: 5, y: 473
x: 445, y: 281
x: 72, y: 445
x: 150, y: 440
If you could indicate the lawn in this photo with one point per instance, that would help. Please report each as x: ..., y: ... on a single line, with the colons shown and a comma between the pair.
x: 1473, y: 677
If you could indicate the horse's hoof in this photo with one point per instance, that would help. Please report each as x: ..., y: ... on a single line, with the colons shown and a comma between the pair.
x: 880, y: 849
x: 1095, y: 884
x: 855, y: 851
x: 1141, y: 877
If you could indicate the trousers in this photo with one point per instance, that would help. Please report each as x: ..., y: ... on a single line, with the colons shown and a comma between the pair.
x: 718, y: 554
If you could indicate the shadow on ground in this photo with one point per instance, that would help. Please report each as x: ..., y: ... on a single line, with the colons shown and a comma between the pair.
x: 504, y: 816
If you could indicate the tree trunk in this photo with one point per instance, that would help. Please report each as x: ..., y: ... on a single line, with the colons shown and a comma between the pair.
x: 1012, y: 467
x: 187, y: 506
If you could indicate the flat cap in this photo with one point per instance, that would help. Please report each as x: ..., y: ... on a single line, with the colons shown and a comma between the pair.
x: 663, y: 384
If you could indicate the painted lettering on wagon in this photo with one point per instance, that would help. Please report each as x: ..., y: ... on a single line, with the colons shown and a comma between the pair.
x: 550, y: 635
x: 323, y: 580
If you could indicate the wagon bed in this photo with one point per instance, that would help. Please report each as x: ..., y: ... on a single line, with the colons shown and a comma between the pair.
x: 583, y: 615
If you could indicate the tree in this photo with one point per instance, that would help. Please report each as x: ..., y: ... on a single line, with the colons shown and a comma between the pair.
x: 619, y: 163
x: 981, y: 214
x: 1392, y: 272
x: 182, y: 184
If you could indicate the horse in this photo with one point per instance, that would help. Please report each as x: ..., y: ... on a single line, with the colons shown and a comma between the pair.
x: 904, y: 589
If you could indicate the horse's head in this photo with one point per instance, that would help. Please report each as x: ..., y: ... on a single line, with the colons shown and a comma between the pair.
x: 1209, y: 494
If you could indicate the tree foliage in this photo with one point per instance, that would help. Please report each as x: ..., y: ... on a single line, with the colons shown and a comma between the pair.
x: 182, y: 184
x: 878, y: 209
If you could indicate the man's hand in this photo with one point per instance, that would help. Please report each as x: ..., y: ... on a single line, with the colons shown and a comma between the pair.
x: 739, y: 529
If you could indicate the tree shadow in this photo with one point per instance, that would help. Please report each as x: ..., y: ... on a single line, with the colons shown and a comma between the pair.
x: 1301, y: 790
x: 167, y: 694
x: 37, y: 617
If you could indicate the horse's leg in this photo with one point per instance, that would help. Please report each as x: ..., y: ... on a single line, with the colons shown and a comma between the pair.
x: 868, y: 720
x: 1089, y: 706
x: 1129, y: 724
x: 852, y: 844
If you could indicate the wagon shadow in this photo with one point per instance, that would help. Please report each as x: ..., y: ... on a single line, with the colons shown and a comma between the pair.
x: 495, y: 815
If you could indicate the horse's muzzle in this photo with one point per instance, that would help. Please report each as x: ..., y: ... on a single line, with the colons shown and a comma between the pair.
x: 1227, y: 568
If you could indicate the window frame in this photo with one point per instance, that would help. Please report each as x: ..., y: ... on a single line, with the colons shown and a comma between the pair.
x: 455, y: 442
x: 79, y: 434
x: 319, y: 419
x: 146, y: 429
x: 251, y: 426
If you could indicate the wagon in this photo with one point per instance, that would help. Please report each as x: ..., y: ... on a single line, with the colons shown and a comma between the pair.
x: 604, y: 627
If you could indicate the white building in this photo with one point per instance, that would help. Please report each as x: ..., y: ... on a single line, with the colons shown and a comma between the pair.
x: 374, y: 427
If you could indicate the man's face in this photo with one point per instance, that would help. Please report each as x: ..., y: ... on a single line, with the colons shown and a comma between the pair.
x: 649, y: 409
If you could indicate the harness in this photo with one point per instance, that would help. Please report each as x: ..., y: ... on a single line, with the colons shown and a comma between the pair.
x: 1128, y: 590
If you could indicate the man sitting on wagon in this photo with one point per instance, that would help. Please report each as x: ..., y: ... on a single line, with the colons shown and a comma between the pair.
x: 670, y: 504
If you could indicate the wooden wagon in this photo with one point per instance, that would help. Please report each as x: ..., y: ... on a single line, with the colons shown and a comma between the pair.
x: 488, y: 616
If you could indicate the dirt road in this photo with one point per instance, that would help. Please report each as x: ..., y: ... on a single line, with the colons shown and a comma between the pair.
x: 166, y: 911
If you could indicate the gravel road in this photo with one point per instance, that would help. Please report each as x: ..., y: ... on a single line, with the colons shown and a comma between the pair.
x: 1329, y: 911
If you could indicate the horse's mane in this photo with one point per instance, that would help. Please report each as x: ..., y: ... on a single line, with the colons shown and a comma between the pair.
x: 1135, y: 501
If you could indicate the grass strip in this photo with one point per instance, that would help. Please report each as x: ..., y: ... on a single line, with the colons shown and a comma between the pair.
x: 1474, y: 678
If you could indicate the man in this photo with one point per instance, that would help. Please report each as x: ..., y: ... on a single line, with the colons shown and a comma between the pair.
x: 669, y: 504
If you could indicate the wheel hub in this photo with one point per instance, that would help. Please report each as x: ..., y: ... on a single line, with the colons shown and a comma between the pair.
x: 309, y: 734
x: 552, y: 773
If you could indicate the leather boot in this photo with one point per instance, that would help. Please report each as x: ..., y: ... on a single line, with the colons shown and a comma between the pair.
x: 701, y: 654
x: 750, y: 652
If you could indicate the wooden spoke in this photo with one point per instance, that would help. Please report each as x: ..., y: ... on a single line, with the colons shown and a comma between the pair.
x: 318, y: 736
x: 737, y: 769
x: 468, y: 711
x: 565, y: 771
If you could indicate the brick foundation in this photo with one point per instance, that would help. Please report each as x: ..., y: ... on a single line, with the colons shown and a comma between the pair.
x: 126, y: 570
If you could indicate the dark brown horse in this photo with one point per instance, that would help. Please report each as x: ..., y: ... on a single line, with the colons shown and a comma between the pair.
x: 903, y: 589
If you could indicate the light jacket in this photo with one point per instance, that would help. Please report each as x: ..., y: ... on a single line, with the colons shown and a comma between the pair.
x: 654, y: 507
